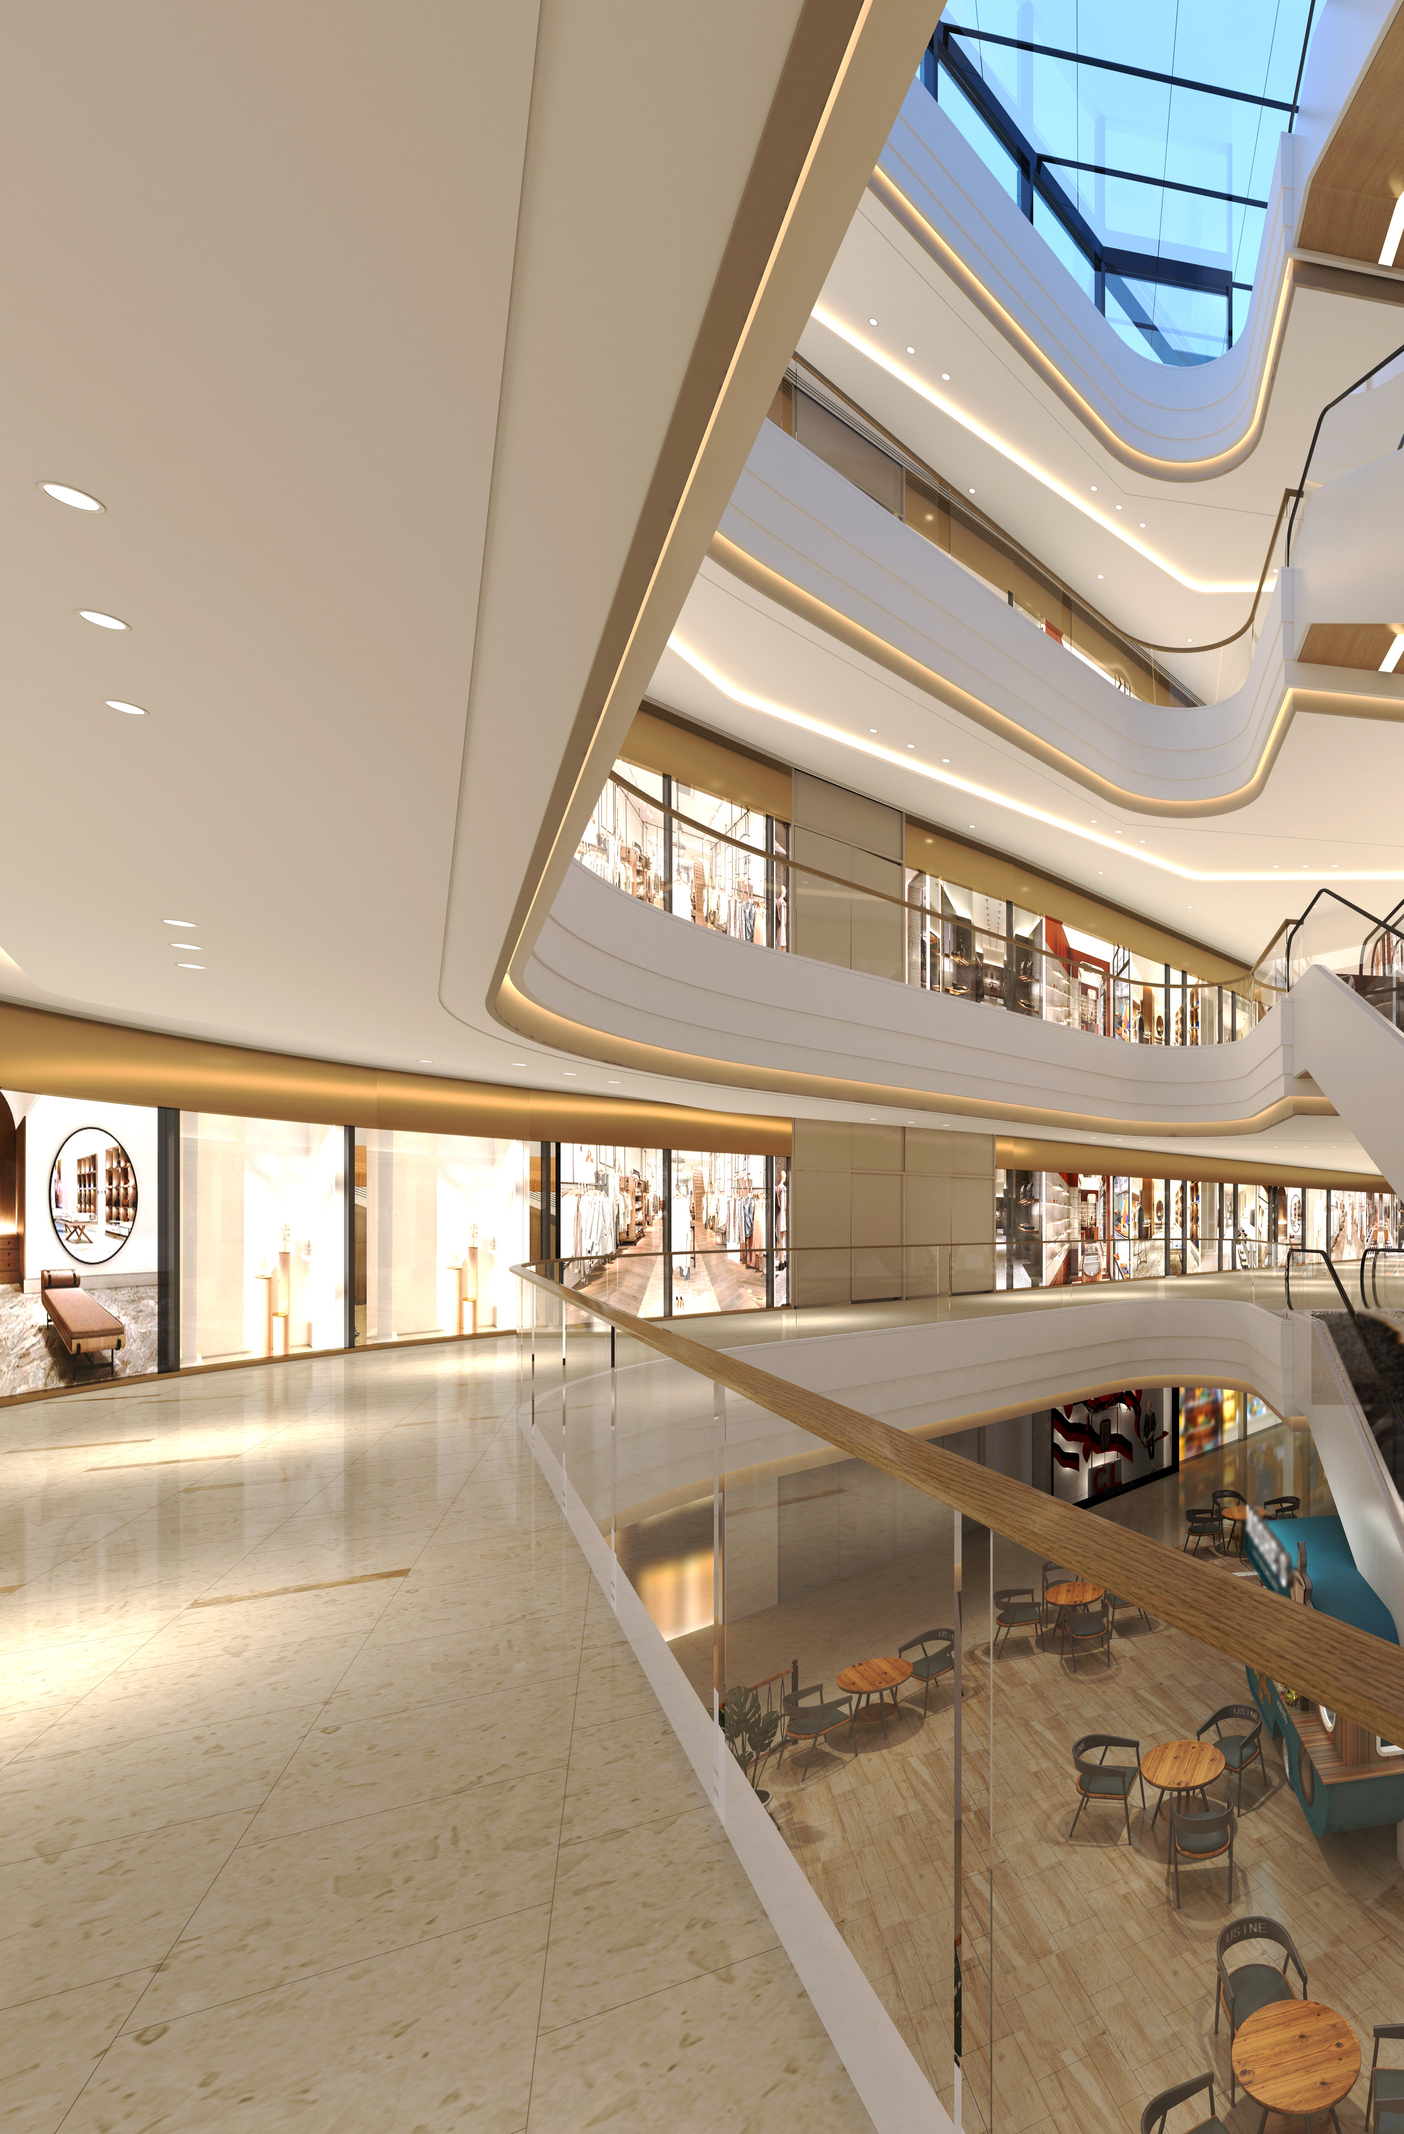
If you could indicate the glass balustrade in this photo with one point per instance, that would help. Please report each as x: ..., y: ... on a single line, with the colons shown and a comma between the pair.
x: 1035, y: 1763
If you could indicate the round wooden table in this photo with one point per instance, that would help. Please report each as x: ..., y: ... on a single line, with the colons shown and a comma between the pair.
x: 1297, y: 2057
x: 873, y: 1678
x: 1181, y: 1767
x: 1238, y: 1514
x: 1072, y: 1593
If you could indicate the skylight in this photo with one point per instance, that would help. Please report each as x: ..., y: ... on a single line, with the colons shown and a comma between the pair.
x: 1140, y: 141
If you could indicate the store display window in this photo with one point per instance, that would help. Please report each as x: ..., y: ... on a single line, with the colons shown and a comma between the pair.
x: 78, y: 1199
x: 722, y: 866
x: 1205, y: 1419
x: 439, y: 1221
x: 263, y: 1237
x: 719, y: 1215
x: 625, y: 840
x: 612, y: 1225
x: 1103, y: 1446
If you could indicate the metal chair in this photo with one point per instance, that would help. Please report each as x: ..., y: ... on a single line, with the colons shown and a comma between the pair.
x: 1158, y: 2110
x: 1054, y: 1574
x: 932, y: 1665
x: 1202, y: 1523
x: 1221, y: 1498
x: 1115, y: 1601
x: 1089, y: 1626
x: 1386, y: 2083
x: 1249, y: 1987
x: 1238, y: 1750
x: 806, y: 1722
x: 1102, y: 1781
x: 1201, y: 1837
x: 1016, y: 1609
x: 1282, y: 1507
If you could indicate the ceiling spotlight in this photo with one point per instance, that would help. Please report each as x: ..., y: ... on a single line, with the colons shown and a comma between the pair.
x: 945, y: 759
x: 872, y: 729
x: 1100, y: 576
x: 1143, y: 526
x: 1094, y: 489
x: 1118, y: 507
x: 972, y: 492
x: 180, y: 922
x: 426, y: 1063
x: 970, y: 826
x: 911, y: 351
x: 190, y: 966
x: 945, y: 377
x: 911, y: 744
x: 78, y: 498
x: 194, y: 947
x: 614, y: 1081
x: 1189, y: 640
x: 872, y: 322
x: 104, y: 622
x: 138, y: 711
x: 519, y: 1063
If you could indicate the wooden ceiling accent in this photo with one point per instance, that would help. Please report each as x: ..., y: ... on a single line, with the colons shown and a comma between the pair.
x: 1360, y: 173
x: 1339, y: 1666
x: 1346, y: 644
x: 67, y: 1056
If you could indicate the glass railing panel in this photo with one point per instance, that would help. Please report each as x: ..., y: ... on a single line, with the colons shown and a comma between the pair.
x: 830, y: 1568
x: 666, y: 1443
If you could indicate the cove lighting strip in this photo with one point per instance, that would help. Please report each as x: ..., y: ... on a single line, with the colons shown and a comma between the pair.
x: 858, y: 341
x: 806, y: 721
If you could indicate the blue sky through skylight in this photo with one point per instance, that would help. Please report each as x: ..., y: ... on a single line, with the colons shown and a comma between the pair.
x: 1148, y: 127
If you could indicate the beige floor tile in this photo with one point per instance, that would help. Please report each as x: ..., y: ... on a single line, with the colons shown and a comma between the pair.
x: 746, y: 2035
x: 307, y: 1902
x: 98, y: 1910
x: 52, y: 1797
x: 432, y: 2039
x: 50, y: 2048
x: 618, y: 1780
x: 648, y: 1909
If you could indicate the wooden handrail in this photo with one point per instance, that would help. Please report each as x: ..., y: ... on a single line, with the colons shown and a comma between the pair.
x: 1341, y: 1667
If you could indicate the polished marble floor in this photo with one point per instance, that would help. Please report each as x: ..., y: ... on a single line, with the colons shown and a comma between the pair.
x: 331, y: 1795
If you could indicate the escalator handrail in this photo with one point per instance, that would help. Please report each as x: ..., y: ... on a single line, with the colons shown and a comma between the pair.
x: 1377, y: 925
x: 1316, y: 1252
x: 1301, y: 486
x: 1374, y: 1253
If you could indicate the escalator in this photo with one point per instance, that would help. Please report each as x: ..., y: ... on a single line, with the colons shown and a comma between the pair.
x: 1372, y: 1351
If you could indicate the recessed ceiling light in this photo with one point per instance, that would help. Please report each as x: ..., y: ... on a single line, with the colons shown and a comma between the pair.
x: 613, y: 1082
x: 1189, y: 640
x: 945, y: 377
x: 78, y: 498
x: 196, y: 947
x: 180, y: 922
x: 569, y: 1072
x: 1101, y: 870
x: 945, y: 759
x: 970, y: 826
x: 911, y: 744
x: 1143, y: 526
x: 519, y: 1063
x: 138, y: 711
x: 1118, y: 507
x: 426, y: 1063
x: 104, y: 622
x: 190, y: 966
x: 910, y: 350
x: 872, y: 729
x: 1100, y: 576
x: 872, y: 322
x: 1093, y: 820
x: 1094, y: 489
x: 971, y: 492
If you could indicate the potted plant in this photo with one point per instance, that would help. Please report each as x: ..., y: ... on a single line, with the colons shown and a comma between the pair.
x: 750, y: 1734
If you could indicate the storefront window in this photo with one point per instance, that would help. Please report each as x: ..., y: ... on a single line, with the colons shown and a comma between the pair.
x: 625, y: 839
x: 720, y: 866
x: 263, y: 1240
x: 718, y: 1217
x: 612, y: 1224
x: 440, y: 1218
x: 1103, y: 1446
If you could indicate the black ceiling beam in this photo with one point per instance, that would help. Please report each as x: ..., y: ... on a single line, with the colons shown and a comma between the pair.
x: 1117, y: 66
x: 1140, y: 177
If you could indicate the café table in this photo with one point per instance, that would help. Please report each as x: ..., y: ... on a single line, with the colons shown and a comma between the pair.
x: 874, y: 1678
x: 1072, y: 1593
x: 1180, y: 1768
x: 1297, y: 2057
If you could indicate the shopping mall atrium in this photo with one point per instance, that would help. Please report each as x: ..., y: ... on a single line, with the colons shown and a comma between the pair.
x: 702, y: 1022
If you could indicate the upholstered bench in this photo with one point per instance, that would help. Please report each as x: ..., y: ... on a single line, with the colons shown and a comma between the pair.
x: 80, y: 1322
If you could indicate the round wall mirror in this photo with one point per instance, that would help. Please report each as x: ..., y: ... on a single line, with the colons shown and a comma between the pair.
x: 92, y: 1196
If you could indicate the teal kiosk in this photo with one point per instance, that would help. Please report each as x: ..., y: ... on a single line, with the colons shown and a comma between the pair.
x: 1344, y: 1777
